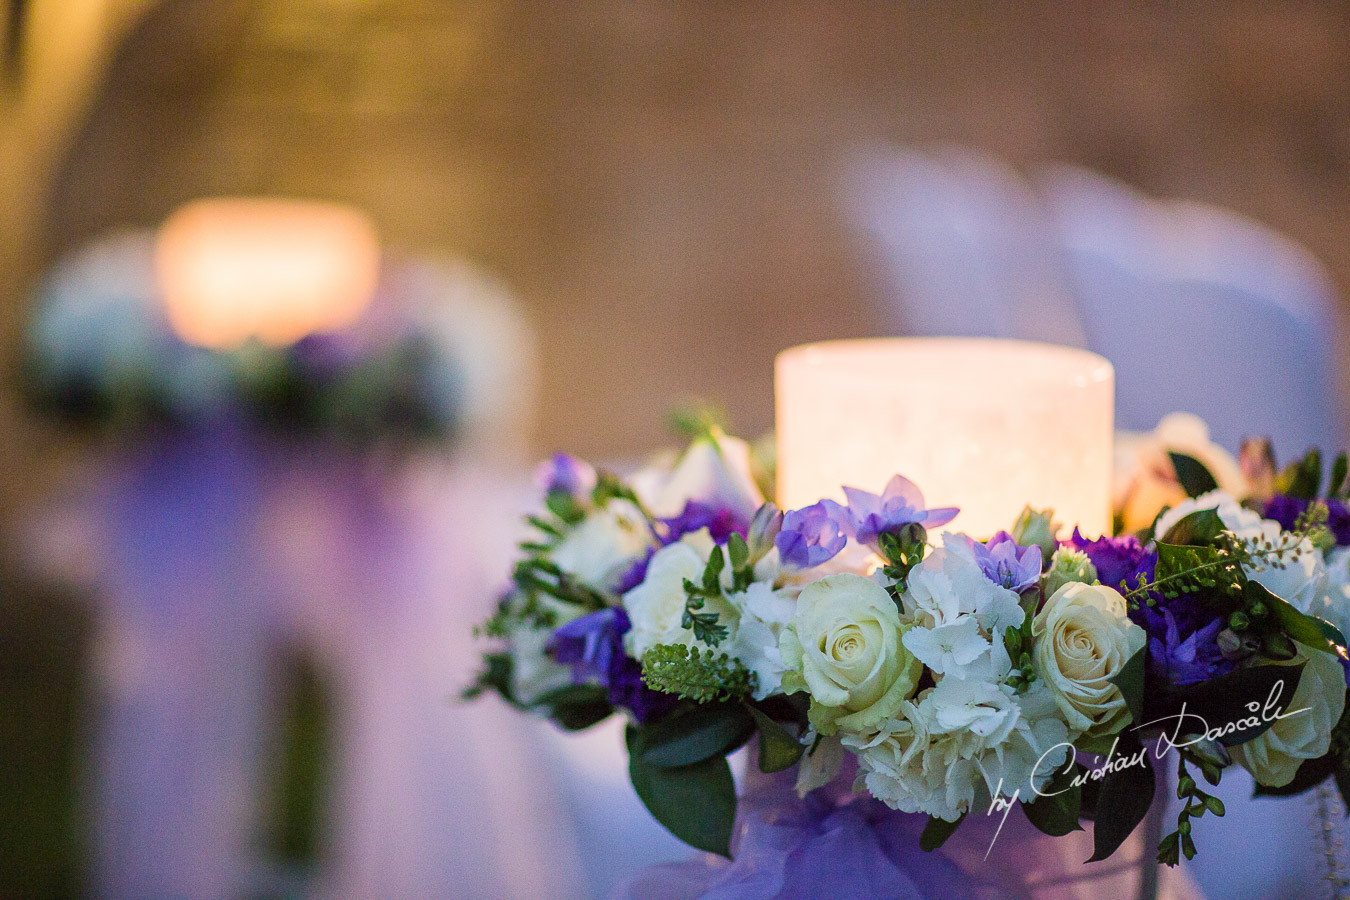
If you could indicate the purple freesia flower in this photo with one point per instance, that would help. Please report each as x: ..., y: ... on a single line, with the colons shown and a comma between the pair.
x: 1188, y: 660
x: 567, y: 474
x: 1286, y: 510
x: 593, y: 646
x: 809, y: 537
x: 720, y: 521
x: 590, y: 644
x: 868, y: 515
x: 1007, y: 563
x: 1117, y: 559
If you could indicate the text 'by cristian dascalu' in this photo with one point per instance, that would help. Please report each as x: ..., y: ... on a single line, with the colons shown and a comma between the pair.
x: 1188, y: 729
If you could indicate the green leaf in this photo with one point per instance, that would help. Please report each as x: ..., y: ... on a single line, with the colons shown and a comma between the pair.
x: 1125, y: 797
x: 1055, y: 810
x: 695, y: 733
x: 1225, y: 700
x: 1301, y: 478
x: 1199, y: 529
x: 695, y: 803
x: 936, y: 832
x: 1194, y: 477
x: 1301, y: 627
x: 778, y: 749
x: 576, y: 706
x: 1339, y: 469
x: 1130, y: 681
x: 738, y: 551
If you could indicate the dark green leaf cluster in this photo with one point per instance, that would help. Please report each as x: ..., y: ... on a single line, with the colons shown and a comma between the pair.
x: 696, y: 674
x: 679, y: 769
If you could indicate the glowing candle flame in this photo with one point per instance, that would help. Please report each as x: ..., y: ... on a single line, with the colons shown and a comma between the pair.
x: 231, y: 269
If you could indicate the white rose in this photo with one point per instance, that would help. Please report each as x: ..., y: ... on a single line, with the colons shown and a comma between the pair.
x: 604, y: 544
x: 1083, y: 638
x: 1145, y: 480
x: 656, y: 606
x: 843, y: 645
x: 762, y: 614
x: 1302, y: 579
x: 1334, y: 605
x: 1273, y: 757
x: 714, y: 470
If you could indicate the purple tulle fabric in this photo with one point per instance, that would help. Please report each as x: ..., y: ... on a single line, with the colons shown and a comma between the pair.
x: 833, y: 845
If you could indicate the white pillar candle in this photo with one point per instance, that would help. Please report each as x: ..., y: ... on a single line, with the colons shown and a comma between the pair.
x: 986, y: 425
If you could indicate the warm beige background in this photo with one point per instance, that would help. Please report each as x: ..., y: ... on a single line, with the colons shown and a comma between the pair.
x: 658, y: 180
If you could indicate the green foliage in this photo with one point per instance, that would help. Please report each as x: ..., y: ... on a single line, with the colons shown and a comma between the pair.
x: 698, y: 421
x: 1338, y: 485
x: 696, y: 803
x: 696, y: 674
x: 1123, y: 800
x: 1055, y: 809
x: 494, y: 676
x: 1130, y: 681
x: 609, y: 486
x: 1194, y: 477
x: 902, y: 550
x: 1179, y: 842
x: 778, y: 749
x: 936, y: 832
x: 704, y: 624
x: 1301, y: 478
x: 1227, y: 698
x: 576, y: 706
x: 693, y: 733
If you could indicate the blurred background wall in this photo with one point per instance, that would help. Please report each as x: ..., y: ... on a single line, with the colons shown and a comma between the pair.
x: 658, y: 182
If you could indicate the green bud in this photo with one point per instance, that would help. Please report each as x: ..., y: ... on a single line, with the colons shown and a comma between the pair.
x: 1257, y: 611
x: 1184, y: 827
x: 1069, y: 566
x: 1278, y: 646
x: 1036, y: 527
x: 1185, y: 787
x: 1239, y: 621
x: 1215, y: 805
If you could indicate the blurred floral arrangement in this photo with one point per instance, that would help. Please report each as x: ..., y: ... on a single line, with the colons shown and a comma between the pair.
x: 1038, y: 667
x: 100, y: 351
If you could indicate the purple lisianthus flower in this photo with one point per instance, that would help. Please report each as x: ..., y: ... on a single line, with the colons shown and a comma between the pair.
x: 868, y: 515
x: 567, y: 474
x: 1007, y: 563
x: 593, y: 646
x: 809, y: 537
x: 1286, y: 510
x: 1188, y: 660
x: 1117, y: 559
x: 721, y: 522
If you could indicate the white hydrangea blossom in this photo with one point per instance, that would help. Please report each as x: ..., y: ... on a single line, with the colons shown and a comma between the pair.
x: 762, y: 613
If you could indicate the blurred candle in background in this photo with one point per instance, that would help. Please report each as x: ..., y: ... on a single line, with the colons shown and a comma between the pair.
x: 276, y: 270
x: 986, y: 425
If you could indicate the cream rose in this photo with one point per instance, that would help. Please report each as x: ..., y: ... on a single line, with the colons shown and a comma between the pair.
x: 843, y: 646
x: 1273, y: 757
x: 1083, y: 638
